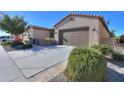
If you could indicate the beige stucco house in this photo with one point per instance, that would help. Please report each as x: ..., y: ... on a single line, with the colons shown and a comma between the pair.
x: 82, y: 30
x: 75, y: 30
x: 37, y: 33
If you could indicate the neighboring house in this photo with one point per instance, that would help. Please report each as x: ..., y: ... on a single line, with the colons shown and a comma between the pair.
x: 75, y: 30
x: 37, y: 33
x: 82, y: 30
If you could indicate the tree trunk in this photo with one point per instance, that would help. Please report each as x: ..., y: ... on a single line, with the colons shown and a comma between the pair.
x: 18, y: 38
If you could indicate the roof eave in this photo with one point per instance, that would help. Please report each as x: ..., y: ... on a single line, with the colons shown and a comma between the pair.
x: 95, y: 16
x: 38, y: 27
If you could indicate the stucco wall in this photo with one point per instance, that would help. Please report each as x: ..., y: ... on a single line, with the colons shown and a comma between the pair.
x: 92, y: 23
x: 40, y: 34
x: 28, y: 34
x: 104, y: 36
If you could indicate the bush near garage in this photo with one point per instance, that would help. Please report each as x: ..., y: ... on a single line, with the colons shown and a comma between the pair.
x: 118, y: 56
x: 48, y: 41
x: 26, y: 45
x: 104, y: 49
x: 86, y: 65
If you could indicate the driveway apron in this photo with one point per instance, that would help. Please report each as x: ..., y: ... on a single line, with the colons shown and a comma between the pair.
x: 35, y: 60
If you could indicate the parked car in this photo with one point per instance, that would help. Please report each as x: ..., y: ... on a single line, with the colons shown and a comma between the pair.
x: 6, y: 38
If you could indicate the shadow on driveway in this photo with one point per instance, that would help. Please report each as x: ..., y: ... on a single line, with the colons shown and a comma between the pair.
x: 115, y: 71
x: 115, y: 62
x: 114, y: 76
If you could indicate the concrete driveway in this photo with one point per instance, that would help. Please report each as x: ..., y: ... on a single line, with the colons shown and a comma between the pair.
x: 8, y: 70
x: 24, y: 64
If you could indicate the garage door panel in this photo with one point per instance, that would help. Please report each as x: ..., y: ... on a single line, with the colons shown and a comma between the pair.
x: 76, y: 38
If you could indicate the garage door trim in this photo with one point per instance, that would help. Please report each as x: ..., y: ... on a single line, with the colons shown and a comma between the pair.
x: 62, y: 31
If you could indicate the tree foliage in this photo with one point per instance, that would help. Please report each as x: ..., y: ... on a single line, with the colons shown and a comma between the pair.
x: 14, y: 25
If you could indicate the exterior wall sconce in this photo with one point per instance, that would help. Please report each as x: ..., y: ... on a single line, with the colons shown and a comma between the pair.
x: 94, y: 29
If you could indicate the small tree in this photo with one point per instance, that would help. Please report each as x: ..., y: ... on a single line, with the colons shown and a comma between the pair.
x: 14, y: 25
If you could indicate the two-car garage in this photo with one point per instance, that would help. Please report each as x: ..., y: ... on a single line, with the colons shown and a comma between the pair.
x: 81, y: 30
x: 77, y: 30
x: 74, y: 36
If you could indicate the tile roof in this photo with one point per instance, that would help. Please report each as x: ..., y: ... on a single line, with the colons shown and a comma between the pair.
x: 101, y: 18
x: 38, y: 27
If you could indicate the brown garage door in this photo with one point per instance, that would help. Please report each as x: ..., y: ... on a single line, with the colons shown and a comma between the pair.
x: 74, y: 36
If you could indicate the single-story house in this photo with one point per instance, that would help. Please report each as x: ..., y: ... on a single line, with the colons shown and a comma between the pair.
x: 82, y: 30
x: 37, y: 33
x: 76, y: 30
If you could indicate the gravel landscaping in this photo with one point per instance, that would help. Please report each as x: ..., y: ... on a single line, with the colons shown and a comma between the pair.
x: 115, y: 71
x: 9, y: 48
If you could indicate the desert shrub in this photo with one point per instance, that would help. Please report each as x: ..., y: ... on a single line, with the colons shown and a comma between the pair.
x: 15, y: 43
x: 118, y: 56
x: 104, y: 49
x: 86, y: 64
x: 6, y: 43
x: 48, y: 41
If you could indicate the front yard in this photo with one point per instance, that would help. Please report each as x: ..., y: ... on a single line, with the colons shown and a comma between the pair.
x: 29, y: 63
x: 115, y: 73
x: 115, y: 67
x: 16, y: 45
x: 47, y: 63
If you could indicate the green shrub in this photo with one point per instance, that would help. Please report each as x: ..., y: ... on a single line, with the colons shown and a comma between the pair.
x: 118, y: 56
x: 12, y: 44
x: 104, y: 49
x: 6, y: 43
x: 15, y: 43
x: 26, y: 46
x: 86, y: 64
x: 48, y: 41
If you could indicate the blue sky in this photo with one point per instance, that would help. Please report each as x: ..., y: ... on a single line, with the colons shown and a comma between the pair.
x: 49, y: 18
